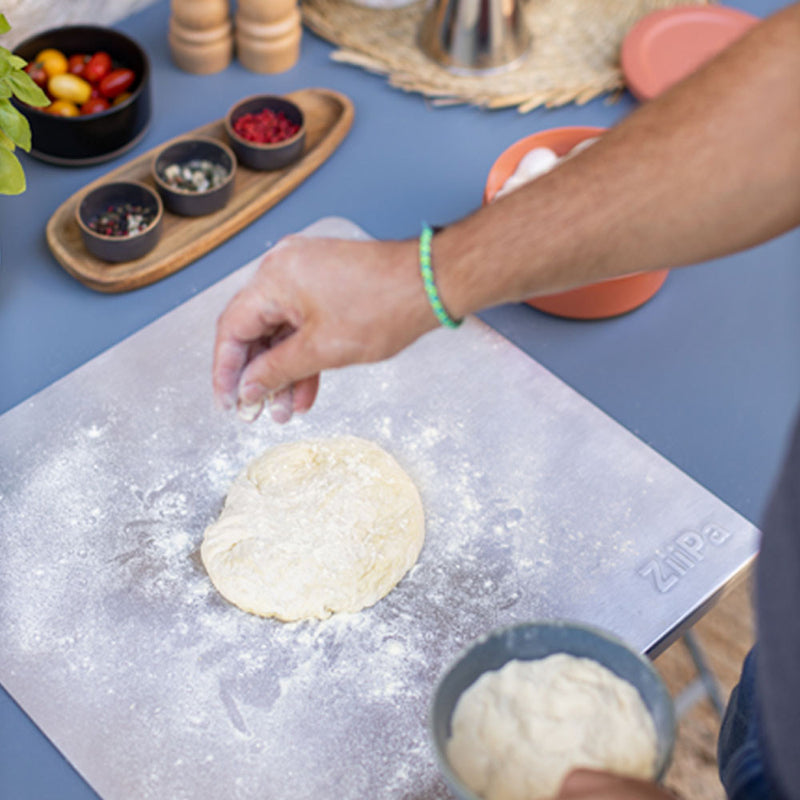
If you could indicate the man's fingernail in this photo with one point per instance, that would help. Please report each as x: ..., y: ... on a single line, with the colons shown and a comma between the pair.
x: 250, y: 394
x: 281, y: 405
x: 249, y: 412
x: 224, y: 402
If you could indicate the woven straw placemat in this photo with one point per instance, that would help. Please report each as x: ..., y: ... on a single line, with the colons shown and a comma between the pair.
x: 574, y: 57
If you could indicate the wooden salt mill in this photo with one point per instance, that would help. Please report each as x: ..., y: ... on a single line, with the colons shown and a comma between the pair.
x: 268, y: 34
x: 201, y: 35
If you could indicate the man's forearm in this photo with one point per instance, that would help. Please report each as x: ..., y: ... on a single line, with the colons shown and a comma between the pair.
x: 709, y: 168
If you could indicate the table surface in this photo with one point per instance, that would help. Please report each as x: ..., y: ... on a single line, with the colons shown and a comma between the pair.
x: 706, y: 373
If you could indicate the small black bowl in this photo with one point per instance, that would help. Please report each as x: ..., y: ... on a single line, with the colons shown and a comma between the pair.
x: 119, y: 248
x: 189, y: 203
x: 266, y: 156
x: 94, y: 138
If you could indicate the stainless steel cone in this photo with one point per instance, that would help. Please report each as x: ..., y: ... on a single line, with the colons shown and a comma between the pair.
x: 474, y: 36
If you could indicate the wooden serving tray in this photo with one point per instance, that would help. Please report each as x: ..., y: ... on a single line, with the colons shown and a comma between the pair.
x: 328, y: 117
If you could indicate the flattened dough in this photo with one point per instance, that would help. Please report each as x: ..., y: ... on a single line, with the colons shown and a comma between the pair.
x: 519, y: 730
x: 314, y: 527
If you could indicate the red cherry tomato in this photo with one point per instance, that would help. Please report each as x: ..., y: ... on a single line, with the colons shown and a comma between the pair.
x: 98, y: 66
x: 116, y: 82
x: 77, y: 64
x: 95, y: 93
x: 95, y: 105
x: 37, y: 73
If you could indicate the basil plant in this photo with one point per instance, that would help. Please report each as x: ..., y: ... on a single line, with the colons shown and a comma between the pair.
x: 14, y: 128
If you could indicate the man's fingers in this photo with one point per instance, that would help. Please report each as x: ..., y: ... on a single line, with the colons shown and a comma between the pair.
x: 581, y: 782
x: 305, y: 393
x: 230, y: 356
x: 280, y: 366
x: 243, y: 326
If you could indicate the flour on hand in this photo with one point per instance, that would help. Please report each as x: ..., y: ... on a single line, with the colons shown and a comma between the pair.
x: 315, y: 527
x: 518, y: 731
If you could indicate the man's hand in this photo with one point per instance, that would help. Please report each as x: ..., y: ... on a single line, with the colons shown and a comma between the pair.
x: 586, y: 784
x: 315, y: 304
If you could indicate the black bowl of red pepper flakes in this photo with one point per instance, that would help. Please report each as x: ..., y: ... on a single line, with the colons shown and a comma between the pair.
x: 267, y: 132
x: 120, y: 221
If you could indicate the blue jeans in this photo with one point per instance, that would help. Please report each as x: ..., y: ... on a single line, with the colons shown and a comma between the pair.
x: 739, y: 751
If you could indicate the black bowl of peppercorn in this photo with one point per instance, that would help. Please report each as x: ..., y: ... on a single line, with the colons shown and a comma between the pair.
x: 195, y: 176
x: 266, y: 132
x: 120, y: 221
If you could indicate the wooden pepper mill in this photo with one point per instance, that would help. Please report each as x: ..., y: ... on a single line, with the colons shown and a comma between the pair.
x: 268, y: 34
x: 201, y: 35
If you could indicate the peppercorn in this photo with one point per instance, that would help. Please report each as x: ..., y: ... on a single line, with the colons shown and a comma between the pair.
x: 123, y: 219
x: 197, y: 175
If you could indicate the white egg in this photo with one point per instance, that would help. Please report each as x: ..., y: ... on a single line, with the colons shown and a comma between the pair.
x: 581, y: 146
x: 514, y: 182
x: 536, y: 162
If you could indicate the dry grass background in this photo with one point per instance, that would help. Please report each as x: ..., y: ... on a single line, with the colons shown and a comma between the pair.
x: 725, y: 635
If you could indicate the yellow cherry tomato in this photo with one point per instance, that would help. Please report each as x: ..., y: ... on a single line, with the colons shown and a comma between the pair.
x: 63, y: 108
x: 53, y: 62
x: 69, y: 87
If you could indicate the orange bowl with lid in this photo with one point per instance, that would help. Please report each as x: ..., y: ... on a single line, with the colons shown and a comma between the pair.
x: 609, y: 298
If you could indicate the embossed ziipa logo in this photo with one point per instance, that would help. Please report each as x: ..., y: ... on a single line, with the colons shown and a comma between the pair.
x: 681, y: 554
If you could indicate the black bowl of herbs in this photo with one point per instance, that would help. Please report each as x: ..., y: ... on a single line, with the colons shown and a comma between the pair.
x: 120, y: 221
x: 195, y: 176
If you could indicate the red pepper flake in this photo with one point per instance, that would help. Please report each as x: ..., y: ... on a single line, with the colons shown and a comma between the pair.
x: 265, y: 127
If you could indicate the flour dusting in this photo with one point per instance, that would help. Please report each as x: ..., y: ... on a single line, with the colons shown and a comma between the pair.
x: 116, y: 643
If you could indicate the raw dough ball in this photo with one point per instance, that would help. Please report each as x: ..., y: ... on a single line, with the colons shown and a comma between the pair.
x: 315, y: 527
x: 518, y: 731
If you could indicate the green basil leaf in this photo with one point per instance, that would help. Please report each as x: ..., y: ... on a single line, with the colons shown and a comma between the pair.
x: 17, y: 62
x: 26, y: 90
x: 4, y: 26
x: 14, y: 125
x: 12, y: 176
x: 5, y: 90
x: 6, y: 142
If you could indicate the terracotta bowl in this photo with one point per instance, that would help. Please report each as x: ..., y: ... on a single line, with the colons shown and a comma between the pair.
x: 595, y: 301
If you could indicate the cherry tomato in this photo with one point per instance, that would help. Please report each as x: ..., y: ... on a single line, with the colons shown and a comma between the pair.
x: 116, y: 82
x: 94, y: 105
x: 37, y: 73
x: 76, y: 65
x: 121, y: 98
x: 69, y: 87
x: 54, y: 62
x: 63, y: 108
x: 98, y: 67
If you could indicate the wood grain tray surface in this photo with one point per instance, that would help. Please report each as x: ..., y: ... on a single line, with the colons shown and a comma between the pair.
x: 328, y: 117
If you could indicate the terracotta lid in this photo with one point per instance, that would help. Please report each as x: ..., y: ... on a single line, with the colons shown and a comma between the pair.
x: 665, y: 46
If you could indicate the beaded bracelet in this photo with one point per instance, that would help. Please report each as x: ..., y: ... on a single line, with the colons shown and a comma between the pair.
x: 426, y: 269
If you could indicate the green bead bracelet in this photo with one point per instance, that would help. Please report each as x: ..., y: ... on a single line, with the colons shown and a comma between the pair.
x: 426, y: 269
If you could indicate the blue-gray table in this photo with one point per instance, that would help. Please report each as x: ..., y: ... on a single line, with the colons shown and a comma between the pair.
x: 707, y: 373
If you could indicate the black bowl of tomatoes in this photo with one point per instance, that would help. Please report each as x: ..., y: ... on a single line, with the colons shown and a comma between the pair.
x: 98, y: 80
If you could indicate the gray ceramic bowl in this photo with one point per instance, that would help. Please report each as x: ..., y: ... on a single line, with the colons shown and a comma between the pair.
x: 534, y: 640
x: 119, y: 248
x: 191, y: 203
x: 266, y: 156
x: 94, y: 138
